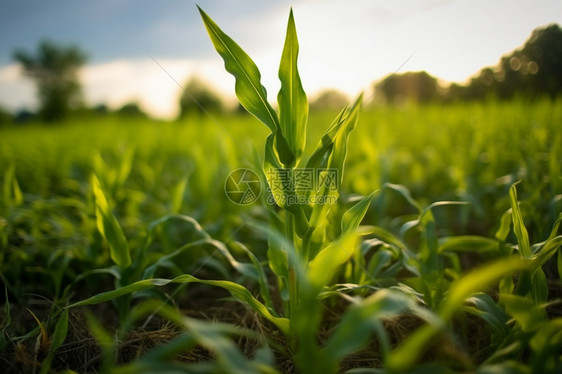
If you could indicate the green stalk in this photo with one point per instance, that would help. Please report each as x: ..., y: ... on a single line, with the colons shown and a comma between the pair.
x: 306, y: 244
x: 289, y: 233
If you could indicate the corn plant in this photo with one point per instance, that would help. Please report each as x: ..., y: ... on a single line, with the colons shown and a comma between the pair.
x: 318, y: 253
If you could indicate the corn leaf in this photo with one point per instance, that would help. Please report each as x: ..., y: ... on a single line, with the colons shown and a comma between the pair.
x: 330, y: 157
x: 518, y: 225
x: 402, y: 190
x: 545, y: 345
x: 58, y: 338
x: 525, y: 311
x: 177, y: 195
x: 213, y: 336
x: 6, y: 321
x: 505, y: 225
x: 360, y: 322
x: 109, y: 228
x: 293, y: 104
x: 326, y: 263
x: 352, y: 218
x: 486, y: 308
x: 468, y: 243
x: 403, y: 357
x: 249, y: 90
x: 237, y: 291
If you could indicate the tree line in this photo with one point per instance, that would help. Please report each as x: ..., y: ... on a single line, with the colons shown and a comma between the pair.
x: 532, y: 71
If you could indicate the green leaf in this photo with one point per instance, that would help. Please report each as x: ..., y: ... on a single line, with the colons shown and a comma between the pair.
x: 352, y: 218
x: 360, y: 322
x: 330, y: 156
x: 109, y: 228
x: 261, y: 276
x: 478, y: 280
x: 177, y: 195
x: 404, y: 356
x: 249, y: 90
x: 486, y: 308
x: 525, y: 311
x: 58, y: 338
x: 548, y: 250
x: 468, y: 243
x: 293, y: 104
x: 506, y: 367
x: 402, y: 190
x: 125, y: 167
x: 518, y: 224
x: 11, y: 189
x: 326, y: 263
x: 559, y: 263
x: 505, y: 225
x: 213, y: 336
x: 6, y: 321
x: 236, y: 290
x: 546, y: 346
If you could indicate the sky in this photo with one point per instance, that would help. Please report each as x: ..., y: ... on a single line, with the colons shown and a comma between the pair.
x: 144, y: 51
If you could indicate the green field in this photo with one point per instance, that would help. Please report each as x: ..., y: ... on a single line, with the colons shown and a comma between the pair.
x: 154, y: 269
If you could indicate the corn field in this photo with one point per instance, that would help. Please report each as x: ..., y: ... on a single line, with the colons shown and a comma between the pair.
x: 374, y: 240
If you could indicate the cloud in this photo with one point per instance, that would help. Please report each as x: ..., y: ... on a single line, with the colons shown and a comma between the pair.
x: 17, y: 91
x: 154, y: 84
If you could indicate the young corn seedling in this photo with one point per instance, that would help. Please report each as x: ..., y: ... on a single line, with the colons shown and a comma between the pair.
x: 307, y: 256
x: 302, y: 254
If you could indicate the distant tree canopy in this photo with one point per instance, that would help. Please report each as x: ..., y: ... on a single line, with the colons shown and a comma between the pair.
x: 533, y: 70
x: 5, y: 117
x: 131, y: 110
x: 409, y: 87
x: 329, y: 99
x: 198, y: 95
x: 54, y: 68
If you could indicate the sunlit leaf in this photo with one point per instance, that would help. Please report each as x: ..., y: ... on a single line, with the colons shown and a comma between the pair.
x: 249, y: 90
x: 352, y: 217
x: 518, y: 224
x: 293, y: 104
x: 109, y: 228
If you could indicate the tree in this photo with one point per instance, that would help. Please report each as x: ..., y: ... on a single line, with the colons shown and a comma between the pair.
x: 418, y: 87
x: 54, y: 68
x: 539, y: 63
x: 5, y: 117
x: 530, y: 71
x: 197, y: 95
x: 329, y: 99
x: 131, y: 110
